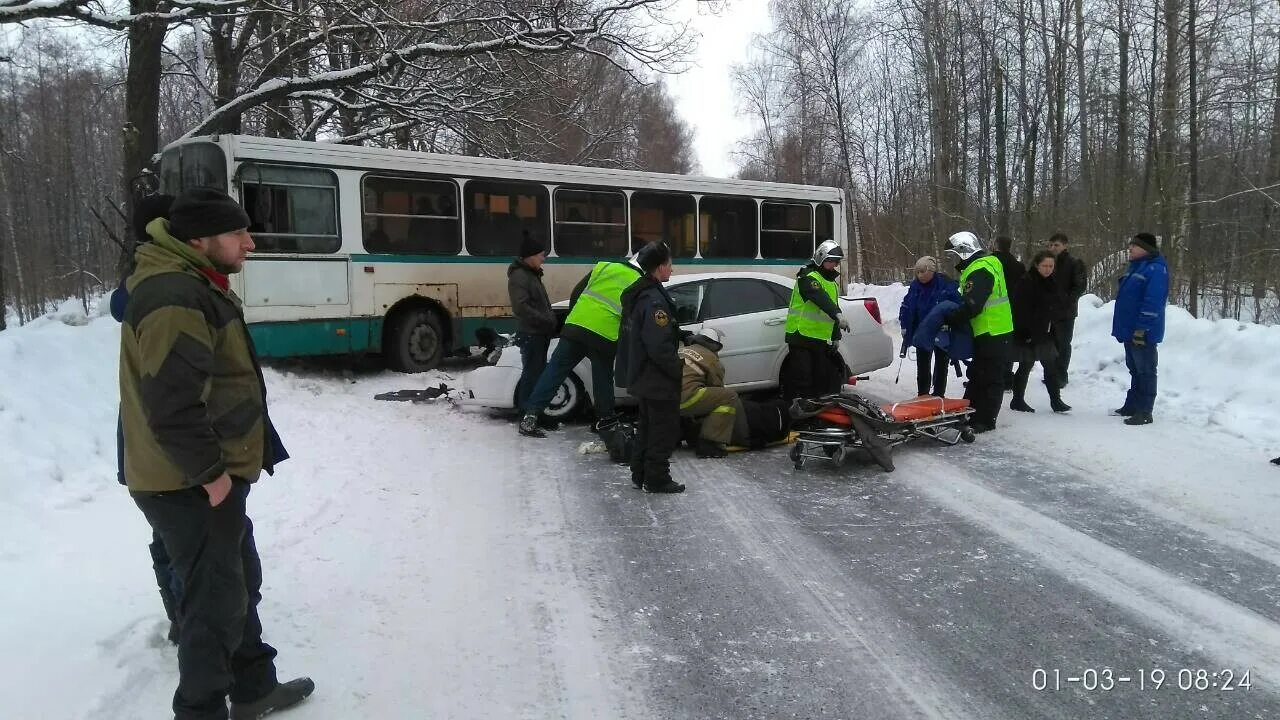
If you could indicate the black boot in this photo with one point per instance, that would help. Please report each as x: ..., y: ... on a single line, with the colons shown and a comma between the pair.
x: 1139, y: 418
x: 1020, y: 405
x: 1055, y: 400
x: 1122, y: 412
x: 709, y: 449
x: 547, y: 423
x: 529, y: 426
x: 1275, y: 461
x: 667, y: 486
x: 1019, y: 387
x: 282, y: 696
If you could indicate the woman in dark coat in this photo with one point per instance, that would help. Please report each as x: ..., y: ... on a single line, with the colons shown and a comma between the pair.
x: 1036, y: 300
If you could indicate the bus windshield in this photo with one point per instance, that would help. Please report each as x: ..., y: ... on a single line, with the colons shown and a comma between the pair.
x: 193, y: 165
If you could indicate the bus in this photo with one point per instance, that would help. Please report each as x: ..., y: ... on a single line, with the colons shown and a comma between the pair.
x: 375, y: 250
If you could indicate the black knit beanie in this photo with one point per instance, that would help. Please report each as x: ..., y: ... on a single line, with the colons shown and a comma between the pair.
x: 149, y: 208
x: 1147, y: 242
x: 205, y: 212
x: 653, y: 255
x: 530, y: 246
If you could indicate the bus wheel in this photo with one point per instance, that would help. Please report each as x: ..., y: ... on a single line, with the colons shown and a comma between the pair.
x: 417, y: 343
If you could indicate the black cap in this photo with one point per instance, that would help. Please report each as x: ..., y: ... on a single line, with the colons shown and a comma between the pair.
x: 653, y: 255
x: 149, y: 208
x: 205, y: 212
x: 1147, y: 242
x: 529, y: 246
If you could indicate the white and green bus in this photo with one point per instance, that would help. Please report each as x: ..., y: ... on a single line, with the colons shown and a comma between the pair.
x: 363, y: 249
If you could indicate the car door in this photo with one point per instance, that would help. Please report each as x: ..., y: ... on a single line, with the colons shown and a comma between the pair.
x: 752, y: 314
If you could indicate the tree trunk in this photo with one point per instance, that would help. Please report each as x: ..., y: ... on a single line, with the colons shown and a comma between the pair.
x: 1121, y: 213
x: 1193, y: 166
x: 1167, y: 151
x: 1086, y: 181
x: 141, y: 106
x: 1002, y: 153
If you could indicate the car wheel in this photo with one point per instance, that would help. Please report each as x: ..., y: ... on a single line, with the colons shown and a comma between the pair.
x: 417, y: 343
x: 569, y: 400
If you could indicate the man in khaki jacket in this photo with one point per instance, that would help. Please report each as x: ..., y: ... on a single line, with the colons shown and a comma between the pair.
x: 196, y: 434
x: 703, y: 395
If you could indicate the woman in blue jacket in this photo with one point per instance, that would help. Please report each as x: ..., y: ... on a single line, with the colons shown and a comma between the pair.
x: 928, y: 289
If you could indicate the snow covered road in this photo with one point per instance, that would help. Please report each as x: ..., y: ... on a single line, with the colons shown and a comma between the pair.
x: 424, y: 562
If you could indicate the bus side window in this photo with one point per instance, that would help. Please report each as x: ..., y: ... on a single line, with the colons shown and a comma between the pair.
x: 786, y: 230
x: 664, y: 216
x: 728, y: 227
x: 500, y: 212
x: 410, y: 216
x: 291, y: 209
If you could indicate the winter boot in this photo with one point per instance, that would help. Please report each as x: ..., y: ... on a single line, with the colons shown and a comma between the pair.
x: 1275, y: 461
x: 1123, y: 412
x: 666, y: 486
x: 282, y: 696
x: 605, y: 423
x: 547, y: 423
x: 709, y: 449
x: 1020, y: 405
x: 1055, y: 399
x: 637, y: 479
x: 529, y: 426
x: 1139, y: 418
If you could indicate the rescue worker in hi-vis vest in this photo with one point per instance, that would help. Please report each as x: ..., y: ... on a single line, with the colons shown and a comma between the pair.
x: 590, y: 331
x: 704, y: 397
x: 986, y: 308
x: 814, y: 322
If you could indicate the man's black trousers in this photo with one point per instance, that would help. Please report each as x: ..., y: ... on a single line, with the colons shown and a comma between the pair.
x: 657, y: 436
x: 220, y: 647
x: 986, y: 377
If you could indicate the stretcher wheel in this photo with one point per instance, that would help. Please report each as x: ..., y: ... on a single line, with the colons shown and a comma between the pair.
x: 794, y: 454
x: 967, y: 435
x: 838, y: 456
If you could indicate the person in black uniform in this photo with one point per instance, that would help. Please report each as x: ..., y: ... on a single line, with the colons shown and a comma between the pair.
x: 649, y: 366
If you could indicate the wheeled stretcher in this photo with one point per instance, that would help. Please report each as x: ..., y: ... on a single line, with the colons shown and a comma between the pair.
x: 847, y: 423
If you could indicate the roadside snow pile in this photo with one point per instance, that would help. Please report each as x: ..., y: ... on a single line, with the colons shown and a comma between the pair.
x: 1222, y: 374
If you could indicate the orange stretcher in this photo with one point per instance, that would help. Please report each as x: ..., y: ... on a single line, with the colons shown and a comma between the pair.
x: 846, y: 424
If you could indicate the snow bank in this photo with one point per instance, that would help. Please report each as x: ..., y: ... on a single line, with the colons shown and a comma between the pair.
x: 889, y: 298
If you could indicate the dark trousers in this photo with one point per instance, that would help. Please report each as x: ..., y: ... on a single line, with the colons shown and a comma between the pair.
x: 657, y: 436
x: 937, y: 374
x: 1063, y: 331
x: 1142, y: 361
x: 220, y: 647
x: 533, y: 360
x: 166, y: 579
x: 567, y: 355
x: 986, y: 377
x: 809, y: 372
x: 1044, y: 353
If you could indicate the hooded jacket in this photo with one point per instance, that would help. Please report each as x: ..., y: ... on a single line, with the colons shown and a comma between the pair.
x: 192, y: 397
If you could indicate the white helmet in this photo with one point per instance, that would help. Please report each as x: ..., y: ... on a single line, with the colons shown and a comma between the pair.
x: 711, y: 335
x: 828, y: 250
x: 964, y: 245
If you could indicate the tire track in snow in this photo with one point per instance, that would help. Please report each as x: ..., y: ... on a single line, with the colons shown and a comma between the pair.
x: 1233, y: 635
x: 916, y: 686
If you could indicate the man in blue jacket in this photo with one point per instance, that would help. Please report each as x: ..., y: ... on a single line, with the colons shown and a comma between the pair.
x: 1138, y: 323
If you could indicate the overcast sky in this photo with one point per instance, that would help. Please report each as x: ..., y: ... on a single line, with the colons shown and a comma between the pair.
x: 704, y: 94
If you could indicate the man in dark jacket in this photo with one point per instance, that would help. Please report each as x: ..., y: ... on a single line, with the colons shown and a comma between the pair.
x: 1014, y: 271
x: 535, y: 323
x: 1138, y: 324
x: 985, y: 308
x: 814, y: 322
x: 196, y: 434
x: 590, y: 331
x: 649, y: 366
x: 1072, y: 279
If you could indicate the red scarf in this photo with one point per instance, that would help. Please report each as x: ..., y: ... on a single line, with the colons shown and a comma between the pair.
x: 218, y: 278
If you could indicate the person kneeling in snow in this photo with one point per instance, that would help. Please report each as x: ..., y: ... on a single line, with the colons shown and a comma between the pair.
x: 703, y: 396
